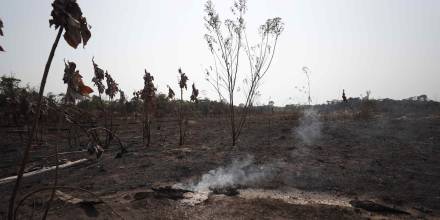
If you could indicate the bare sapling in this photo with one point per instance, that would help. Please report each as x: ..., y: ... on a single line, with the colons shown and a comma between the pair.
x: 148, y: 95
x: 182, y: 84
x: 306, y: 71
x: 97, y: 80
x: 66, y: 15
x: 228, y: 42
x: 110, y: 91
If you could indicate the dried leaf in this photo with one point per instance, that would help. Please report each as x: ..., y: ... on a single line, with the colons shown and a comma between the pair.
x: 67, y: 14
x: 85, y: 90
x: 195, y: 93
x: 72, y: 37
x: 99, y: 77
x: 148, y: 94
x: 1, y: 33
x: 1, y: 26
x: 75, y: 85
x: 85, y: 32
x: 112, y: 86
x: 183, y: 79
x: 171, y: 93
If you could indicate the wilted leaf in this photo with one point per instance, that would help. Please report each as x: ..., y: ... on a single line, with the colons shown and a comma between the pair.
x: 99, y: 77
x: 69, y: 70
x: 85, y: 32
x: 171, y: 93
x: 1, y: 26
x: 1, y: 33
x: 112, y: 86
x: 67, y: 14
x: 195, y: 93
x: 85, y: 90
x: 72, y: 37
x: 183, y: 79
x: 75, y: 85
x: 79, y: 86
x: 148, y: 94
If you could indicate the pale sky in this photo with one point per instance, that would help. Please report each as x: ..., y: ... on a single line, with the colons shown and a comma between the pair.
x: 391, y: 47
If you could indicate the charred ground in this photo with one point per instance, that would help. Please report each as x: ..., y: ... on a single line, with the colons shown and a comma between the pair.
x: 387, y: 154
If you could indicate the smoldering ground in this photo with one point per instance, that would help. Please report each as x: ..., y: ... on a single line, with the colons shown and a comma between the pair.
x: 241, y: 172
x: 309, y: 129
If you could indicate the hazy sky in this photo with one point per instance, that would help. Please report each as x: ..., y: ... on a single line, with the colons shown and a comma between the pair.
x: 391, y: 47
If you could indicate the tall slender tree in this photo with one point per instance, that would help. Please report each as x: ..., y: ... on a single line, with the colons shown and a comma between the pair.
x: 182, y: 84
x: 148, y: 95
x: 228, y: 42
x: 110, y: 91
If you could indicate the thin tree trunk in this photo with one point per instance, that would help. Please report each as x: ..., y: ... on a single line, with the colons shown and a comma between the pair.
x: 181, y: 118
x: 52, y: 194
x: 110, y: 136
x: 231, y: 109
x: 33, y: 128
x: 148, y: 130
x: 146, y: 127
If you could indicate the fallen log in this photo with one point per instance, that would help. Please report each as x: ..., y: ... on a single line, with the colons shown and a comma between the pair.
x: 43, y: 170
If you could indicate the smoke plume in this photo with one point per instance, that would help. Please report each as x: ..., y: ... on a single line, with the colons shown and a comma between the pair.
x: 309, y: 129
x: 238, y: 173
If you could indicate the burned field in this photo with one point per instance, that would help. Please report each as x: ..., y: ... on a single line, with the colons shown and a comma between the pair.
x: 384, y: 166
x: 105, y: 154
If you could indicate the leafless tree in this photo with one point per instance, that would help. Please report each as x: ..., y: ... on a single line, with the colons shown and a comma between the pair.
x: 228, y: 42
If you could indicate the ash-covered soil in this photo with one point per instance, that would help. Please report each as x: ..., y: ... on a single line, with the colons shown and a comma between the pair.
x: 391, y: 159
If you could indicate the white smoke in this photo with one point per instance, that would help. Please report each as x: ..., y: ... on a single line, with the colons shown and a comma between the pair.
x: 238, y: 173
x: 309, y: 129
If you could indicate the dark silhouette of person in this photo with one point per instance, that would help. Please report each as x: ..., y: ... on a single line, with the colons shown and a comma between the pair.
x: 344, y: 98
